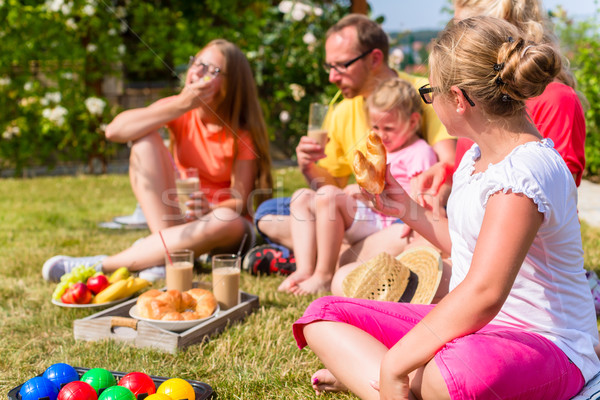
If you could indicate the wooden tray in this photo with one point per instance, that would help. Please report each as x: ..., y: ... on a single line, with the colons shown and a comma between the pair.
x: 115, y: 323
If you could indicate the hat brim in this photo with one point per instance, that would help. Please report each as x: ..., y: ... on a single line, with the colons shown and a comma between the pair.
x: 381, y: 279
x: 427, y: 264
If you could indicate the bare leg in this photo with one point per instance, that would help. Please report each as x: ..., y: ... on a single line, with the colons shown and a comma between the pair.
x: 304, y: 238
x: 335, y: 213
x: 278, y: 229
x: 387, y: 239
x: 152, y: 177
x: 351, y: 355
x: 219, y: 231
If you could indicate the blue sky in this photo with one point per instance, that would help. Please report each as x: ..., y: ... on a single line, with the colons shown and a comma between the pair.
x: 421, y: 14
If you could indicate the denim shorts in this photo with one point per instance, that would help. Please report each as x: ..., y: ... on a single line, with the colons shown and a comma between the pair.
x: 274, y: 206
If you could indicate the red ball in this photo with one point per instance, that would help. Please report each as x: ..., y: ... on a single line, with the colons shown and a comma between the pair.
x: 138, y: 383
x: 77, y: 390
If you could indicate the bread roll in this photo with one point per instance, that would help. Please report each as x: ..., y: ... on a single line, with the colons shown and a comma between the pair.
x: 174, y: 305
x: 370, y: 169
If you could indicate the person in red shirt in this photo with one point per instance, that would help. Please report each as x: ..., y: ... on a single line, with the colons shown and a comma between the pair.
x: 217, y: 126
x: 557, y: 113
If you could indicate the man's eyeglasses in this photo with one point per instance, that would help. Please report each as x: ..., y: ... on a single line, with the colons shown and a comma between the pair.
x: 343, y: 67
x: 426, y: 92
x: 204, y: 68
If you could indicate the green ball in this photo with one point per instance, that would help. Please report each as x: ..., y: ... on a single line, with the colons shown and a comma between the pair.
x: 99, y: 379
x: 117, y: 393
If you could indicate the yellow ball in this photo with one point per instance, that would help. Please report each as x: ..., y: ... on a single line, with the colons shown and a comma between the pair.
x: 158, y: 396
x: 177, y: 389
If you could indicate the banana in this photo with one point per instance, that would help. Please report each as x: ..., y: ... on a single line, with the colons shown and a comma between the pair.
x: 120, y: 290
x: 114, y: 292
x: 119, y: 274
x: 135, y: 285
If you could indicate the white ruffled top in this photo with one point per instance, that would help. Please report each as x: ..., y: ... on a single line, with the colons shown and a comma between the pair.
x: 550, y: 295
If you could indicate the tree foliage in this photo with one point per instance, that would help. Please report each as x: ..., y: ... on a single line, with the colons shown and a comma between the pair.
x: 58, y: 55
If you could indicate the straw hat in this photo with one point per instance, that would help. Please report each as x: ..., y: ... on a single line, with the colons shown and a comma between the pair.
x: 412, y: 277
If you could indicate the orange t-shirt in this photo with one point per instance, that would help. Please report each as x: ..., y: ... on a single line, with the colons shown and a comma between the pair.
x: 212, y: 153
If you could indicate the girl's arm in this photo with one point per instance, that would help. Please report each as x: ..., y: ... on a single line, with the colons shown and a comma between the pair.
x: 243, y: 176
x: 510, y: 224
x: 396, y: 202
x: 133, y: 124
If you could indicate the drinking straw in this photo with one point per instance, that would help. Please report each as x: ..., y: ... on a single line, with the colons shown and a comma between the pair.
x: 165, y: 245
x: 239, y: 253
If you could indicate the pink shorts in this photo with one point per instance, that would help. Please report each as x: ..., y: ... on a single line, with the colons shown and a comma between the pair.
x: 494, y: 363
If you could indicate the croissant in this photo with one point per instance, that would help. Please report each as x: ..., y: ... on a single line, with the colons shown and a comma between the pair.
x: 174, y: 305
x: 370, y: 169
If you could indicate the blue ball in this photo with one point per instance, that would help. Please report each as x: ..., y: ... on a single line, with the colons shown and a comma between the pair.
x: 38, y: 387
x: 60, y: 374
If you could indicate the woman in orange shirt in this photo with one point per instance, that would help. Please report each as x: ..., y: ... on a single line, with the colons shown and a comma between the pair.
x: 217, y: 127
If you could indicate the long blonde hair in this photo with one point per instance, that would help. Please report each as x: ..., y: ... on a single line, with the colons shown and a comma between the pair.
x: 528, y: 16
x: 240, y: 109
x: 492, y: 61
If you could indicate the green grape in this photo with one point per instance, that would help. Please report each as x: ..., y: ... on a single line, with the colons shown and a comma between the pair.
x: 80, y: 273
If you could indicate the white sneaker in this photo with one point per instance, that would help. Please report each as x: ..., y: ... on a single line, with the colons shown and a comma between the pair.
x: 153, y: 274
x: 57, y: 266
x: 137, y: 219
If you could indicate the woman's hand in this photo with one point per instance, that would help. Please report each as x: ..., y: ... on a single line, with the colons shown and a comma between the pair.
x: 198, y: 93
x: 395, y: 388
x: 197, y: 206
x: 392, y: 201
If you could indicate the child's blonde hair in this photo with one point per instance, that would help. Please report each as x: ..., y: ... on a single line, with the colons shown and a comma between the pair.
x: 490, y: 60
x: 396, y: 95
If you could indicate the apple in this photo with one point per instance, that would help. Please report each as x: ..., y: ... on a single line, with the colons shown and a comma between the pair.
x: 77, y: 294
x: 97, y: 283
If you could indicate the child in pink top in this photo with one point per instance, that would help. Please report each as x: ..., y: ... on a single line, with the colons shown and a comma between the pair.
x: 322, y: 220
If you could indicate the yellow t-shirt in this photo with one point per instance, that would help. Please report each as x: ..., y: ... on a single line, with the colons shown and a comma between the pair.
x: 348, y: 129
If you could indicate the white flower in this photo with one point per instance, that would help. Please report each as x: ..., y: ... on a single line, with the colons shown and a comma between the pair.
x: 28, y: 86
x: 55, y: 115
x: 112, y: 32
x: 318, y: 11
x: 285, y: 6
x: 91, y: 47
x: 70, y: 23
x: 66, y: 8
x: 123, y: 28
x: 120, y: 12
x: 284, y: 116
x: 121, y: 49
x: 11, y: 132
x: 5, y: 81
x: 88, y: 10
x: 397, y: 56
x: 27, y: 101
x: 54, y: 5
x: 95, y: 105
x: 298, y: 91
x: 298, y: 14
x: 67, y: 75
x: 55, y: 97
x: 309, y: 38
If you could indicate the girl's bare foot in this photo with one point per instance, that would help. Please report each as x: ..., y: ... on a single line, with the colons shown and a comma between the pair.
x: 324, y: 381
x: 291, y: 282
x: 312, y: 285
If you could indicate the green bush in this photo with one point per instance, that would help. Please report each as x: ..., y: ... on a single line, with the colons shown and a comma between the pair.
x: 581, y: 42
x: 52, y: 105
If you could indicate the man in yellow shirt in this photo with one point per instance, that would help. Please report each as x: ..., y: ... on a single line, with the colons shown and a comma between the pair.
x: 357, y: 60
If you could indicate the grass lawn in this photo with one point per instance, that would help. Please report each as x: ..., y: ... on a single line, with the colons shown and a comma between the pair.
x: 42, y: 217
